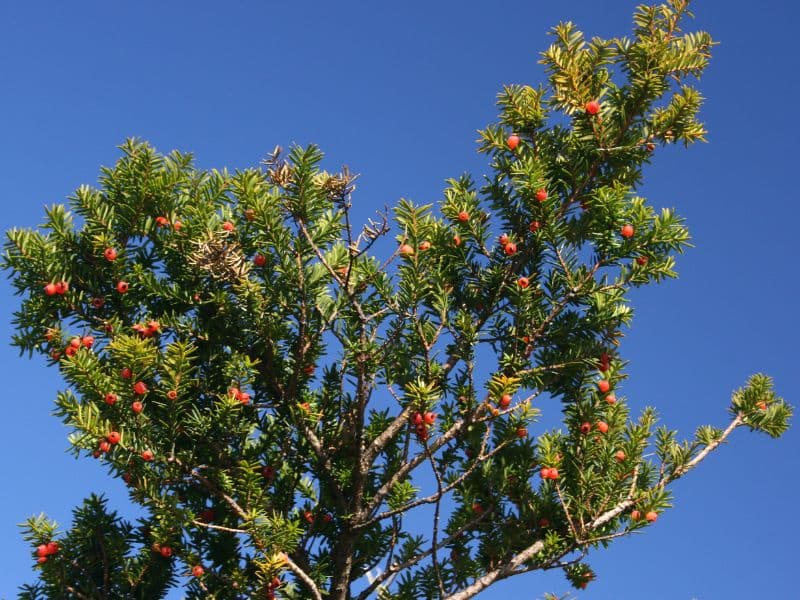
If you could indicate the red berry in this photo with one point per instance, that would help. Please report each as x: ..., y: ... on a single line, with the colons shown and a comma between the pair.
x: 259, y: 260
x: 113, y: 437
x: 544, y: 522
x: 75, y: 342
x: 503, y: 239
x: 602, y: 426
x: 197, y: 570
x: 62, y: 287
x: 541, y: 195
x: 87, y: 341
x: 165, y: 551
x: 406, y: 250
x: 309, y: 369
x: 512, y: 141
x: 627, y: 231
x: 123, y: 287
x: 463, y: 216
x: 110, y: 254
x: 41, y: 550
x: 430, y: 418
x: 510, y: 248
x: 611, y: 399
x: 244, y: 398
x: 505, y: 401
x: 50, y: 289
x: 268, y: 472
x: 456, y: 240
x: 636, y: 515
x: 96, y: 454
x: 641, y: 260
x: 162, y: 221
x: 592, y: 107
x: 586, y: 427
x: 545, y: 473
x: 477, y: 508
x: 147, y: 455
x: 140, y: 387
x: 553, y: 473
x: 534, y: 226
x: 417, y: 419
x: 104, y: 446
x: 308, y: 516
x: 177, y: 225
x: 603, y: 386
x: 55, y: 355
x: 70, y: 351
x: 41, y: 560
x: 761, y: 405
x: 137, y: 407
x: 98, y: 302
x: 651, y: 516
x: 522, y: 432
x: 328, y: 518
x: 111, y: 398
x: 425, y: 245
x: 523, y: 282
x: 619, y: 455
x: 126, y: 373
x: 172, y: 394
x: 127, y: 478
x: 227, y: 226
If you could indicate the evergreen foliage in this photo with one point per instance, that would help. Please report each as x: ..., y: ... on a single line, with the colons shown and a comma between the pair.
x: 279, y: 398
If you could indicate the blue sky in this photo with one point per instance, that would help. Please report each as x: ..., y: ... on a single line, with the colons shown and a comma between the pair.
x: 397, y: 91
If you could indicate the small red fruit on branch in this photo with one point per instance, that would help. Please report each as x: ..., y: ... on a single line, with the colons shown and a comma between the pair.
x: 534, y: 226
x: 603, y: 385
x: 513, y: 141
x: 140, y: 387
x: 137, y: 407
x: 406, y: 250
x: 162, y: 221
x: 62, y: 287
x: 523, y: 282
x: 126, y: 373
x: 505, y: 401
x: 586, y: 427
x: 592, y: 107
x: 619, y: 455
x: 111, y: 398
x: 123, y: 287
x: 50, y: 289
x: 147, y: 455
x: 510, y: 248
x: 425, y: 245
x: 602, y: 426
x: 113, y: 437
x: 541, y: 195
x: 259, y: 260
x: 611, y: 399
x: 627, y: 231
x: 463, y: 216
x: 110, y: 254
x: 651, y: 516
x: 198, y: 570
x: 227, y: 226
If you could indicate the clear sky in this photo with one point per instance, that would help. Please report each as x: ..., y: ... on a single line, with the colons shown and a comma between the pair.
x: 397, y: 91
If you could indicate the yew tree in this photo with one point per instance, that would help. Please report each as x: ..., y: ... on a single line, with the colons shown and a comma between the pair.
x: 299, y: 412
